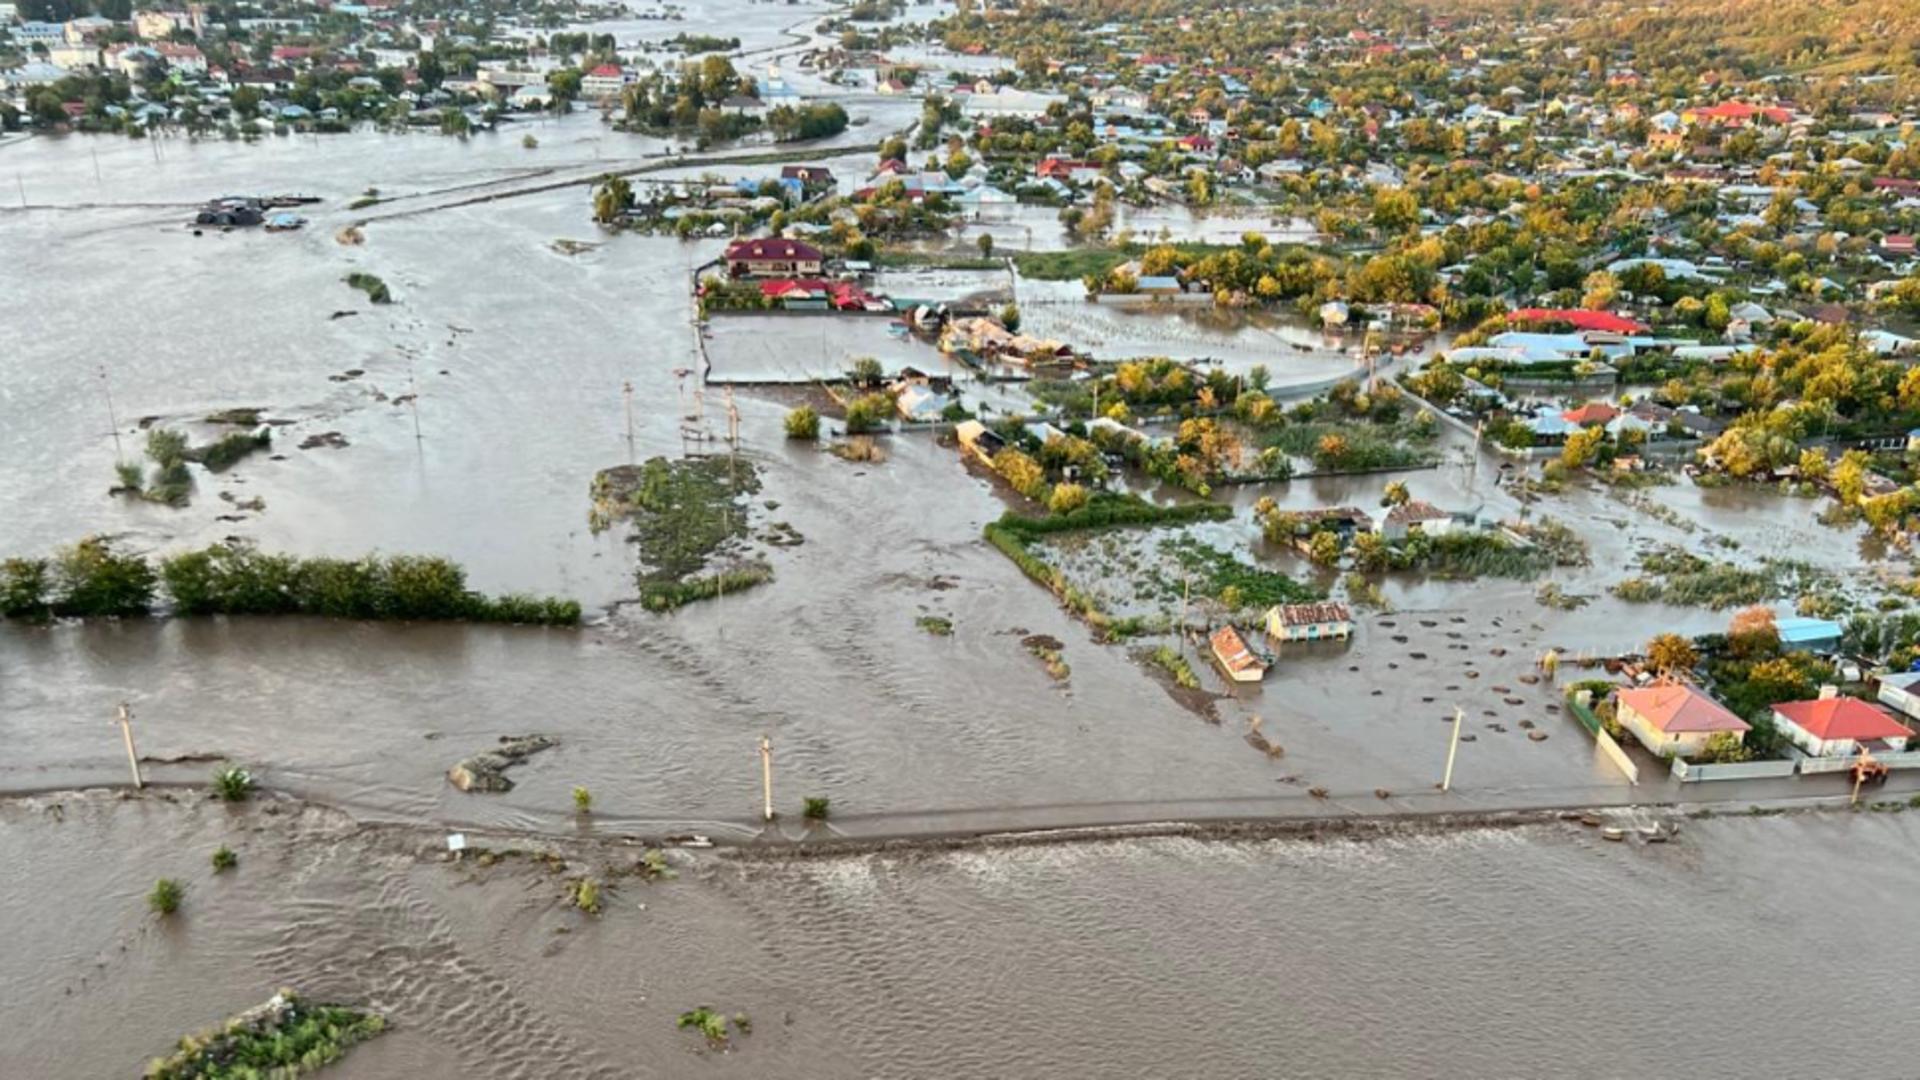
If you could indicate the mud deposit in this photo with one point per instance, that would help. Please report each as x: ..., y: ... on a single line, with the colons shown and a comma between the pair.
x: 902, y: 964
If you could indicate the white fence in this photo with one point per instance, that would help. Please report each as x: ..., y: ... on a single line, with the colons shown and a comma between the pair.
x: 1909, y: 759
x: 1745, y: 770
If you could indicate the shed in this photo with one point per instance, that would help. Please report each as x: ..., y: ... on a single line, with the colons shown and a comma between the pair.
x: 1809, y: 635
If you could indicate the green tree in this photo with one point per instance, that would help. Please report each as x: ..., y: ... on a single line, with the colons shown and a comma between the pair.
x: 1324, y: 548
x: 612, y: 198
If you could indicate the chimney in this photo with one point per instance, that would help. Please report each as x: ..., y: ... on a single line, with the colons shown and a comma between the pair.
x: 1828, y: 692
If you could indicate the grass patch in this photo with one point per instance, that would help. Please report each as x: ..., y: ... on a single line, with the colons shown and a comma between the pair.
x: 224, y: 859
x: 1047, y: 650
x: 684, y: 516
x: 935, y: 625
x: 1336, y: 446
x: 816, y: 807
x: 712, y: 1024
x: 286, y: 1038
x: 1217, y: 575
x: 1168, y: 659
x: 1070, y: 265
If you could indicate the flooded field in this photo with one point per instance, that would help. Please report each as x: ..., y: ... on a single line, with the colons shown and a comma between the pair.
x: 1497, y: 952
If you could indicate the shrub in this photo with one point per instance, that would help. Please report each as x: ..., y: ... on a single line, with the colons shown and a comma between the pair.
x: 1066, y: 498
x: 803, y: 423
x: 586, y: 896
x: 582, y: 799
x: 166, y: 446
x: 707, y: 1022
x: 224, y: 858
x: 165, y: 897
x: 816, y: 807
x: 233, y: 784
x: 91, y: 580
x: 132, y: 477
x: 1168, y: 659
x: 25, y: 589
x: 868, y: 413
x: 375, y: 289
x: 222, y: 454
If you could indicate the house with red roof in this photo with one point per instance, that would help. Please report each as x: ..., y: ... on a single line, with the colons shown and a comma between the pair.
x: 772, y: 256
x: 1672, y: 718
x: 1737, y: 114
x: 603, y: 83
x: 1580, y: 319
x: 1897, y: 244
x: 1592, y: 414
x: 1835, y: 726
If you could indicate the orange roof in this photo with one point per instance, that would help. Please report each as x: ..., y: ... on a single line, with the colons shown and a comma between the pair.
x: 1232, y: 650
x: 1841, y: 718
x: 1593, y: 412
x: 1674, y: 709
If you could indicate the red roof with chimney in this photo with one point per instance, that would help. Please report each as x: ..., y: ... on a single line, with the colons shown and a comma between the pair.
x: 607, y: 71
x: 1842, y: 718
x: 1580, y: 319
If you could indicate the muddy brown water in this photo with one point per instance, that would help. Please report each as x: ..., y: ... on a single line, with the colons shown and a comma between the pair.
x: 961, y: 964
x: 1496, y: 952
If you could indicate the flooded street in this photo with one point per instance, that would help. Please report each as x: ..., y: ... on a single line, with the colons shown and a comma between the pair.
x: 1520, y: 951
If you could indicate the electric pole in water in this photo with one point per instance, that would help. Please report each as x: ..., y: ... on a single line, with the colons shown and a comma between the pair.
x: 766, y: 778
x: 106, y: 388
x: 626, y: 394
x: 126, y: 733
x: 1453, y: 747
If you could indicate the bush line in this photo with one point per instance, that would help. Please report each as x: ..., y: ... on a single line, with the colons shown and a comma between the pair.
x: 91, y: 580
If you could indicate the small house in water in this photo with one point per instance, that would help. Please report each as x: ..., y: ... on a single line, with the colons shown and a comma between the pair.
x: 979, y: 440
x: 1235, y: 658
x: 1310, y: 622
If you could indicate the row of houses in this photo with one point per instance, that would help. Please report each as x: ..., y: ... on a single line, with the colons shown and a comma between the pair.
x: 1676, y: 719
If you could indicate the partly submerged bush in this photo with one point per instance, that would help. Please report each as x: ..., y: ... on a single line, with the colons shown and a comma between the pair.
x: 165, y: 897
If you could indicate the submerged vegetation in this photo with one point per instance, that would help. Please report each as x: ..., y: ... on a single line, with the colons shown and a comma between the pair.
x: 685, y: 516
x: 284, y: 1039
x: 1671, y: 575
x: 375, y: 288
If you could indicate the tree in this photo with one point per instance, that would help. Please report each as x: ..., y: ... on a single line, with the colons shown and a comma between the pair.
x: 1324, y: 548
x: 611, y: 199
x: 1669, y: 653
x: 1582, y: 447
x: 803, y: 423
x: 1369, y: 552
x: 1813, y: 464
x: 1395, y: 494
x: 1395, y: 210
x: 1066, y: 498
x: 1850, y: 477
x: 1752, y: 632
x: 865, y: 371
x: 985, y: 244
x: 428, y: 66
x: 1602, y: 288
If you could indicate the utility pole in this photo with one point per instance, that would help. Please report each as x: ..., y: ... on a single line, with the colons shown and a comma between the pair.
x: 766, y: 778
x: 126, y: 733
x: 1453, y: 748
x: 106, y: 388
x: 626, y: 393
x: 1186, y: 592
x: 413, y: 403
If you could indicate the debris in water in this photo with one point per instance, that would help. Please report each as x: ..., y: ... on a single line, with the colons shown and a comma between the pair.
x: 332, y: 440
x: 486, y: 771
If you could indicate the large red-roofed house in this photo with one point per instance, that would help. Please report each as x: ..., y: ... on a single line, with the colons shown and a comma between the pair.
x: 772, y: 256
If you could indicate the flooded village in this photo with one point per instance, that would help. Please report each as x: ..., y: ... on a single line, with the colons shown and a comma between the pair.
x: 644, y: 539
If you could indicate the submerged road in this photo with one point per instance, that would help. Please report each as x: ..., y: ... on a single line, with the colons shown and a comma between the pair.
x: 1291, y: 812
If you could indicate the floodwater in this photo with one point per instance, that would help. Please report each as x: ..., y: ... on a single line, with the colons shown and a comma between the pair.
x: 1536, y: 951
x: 1419, y: 955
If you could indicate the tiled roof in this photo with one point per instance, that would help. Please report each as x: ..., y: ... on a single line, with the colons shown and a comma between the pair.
x: 1674, y: 708
x: 1842, y: 718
